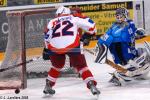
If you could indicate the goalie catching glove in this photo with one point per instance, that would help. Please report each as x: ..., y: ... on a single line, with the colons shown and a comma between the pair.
x: 140, y: 33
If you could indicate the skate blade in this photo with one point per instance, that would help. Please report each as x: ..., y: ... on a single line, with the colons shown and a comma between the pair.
x: 47, y: 95
x: 96, y: 96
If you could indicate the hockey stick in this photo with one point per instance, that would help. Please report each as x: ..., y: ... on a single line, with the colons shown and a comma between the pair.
x: 117, y: 67
x: 120, y: 68
x: 17, y: 65
x: 89, y: 51
x: 112, y: 64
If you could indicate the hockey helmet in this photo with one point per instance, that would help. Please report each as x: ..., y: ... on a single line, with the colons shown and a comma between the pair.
x: 63, y: 10
x: 75, y: 10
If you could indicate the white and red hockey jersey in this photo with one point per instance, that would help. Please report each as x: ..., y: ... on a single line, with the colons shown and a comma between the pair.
x: 63, y: 32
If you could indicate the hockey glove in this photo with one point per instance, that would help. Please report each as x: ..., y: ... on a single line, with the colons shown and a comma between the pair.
x: 140, y: 33
x: 86, y: 37
x: 45, y: 54
x: 86, y: 42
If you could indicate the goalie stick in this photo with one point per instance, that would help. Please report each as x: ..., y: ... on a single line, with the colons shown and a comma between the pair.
x: 109, y: 62
x: 17, y: 65
x: 119, y: 68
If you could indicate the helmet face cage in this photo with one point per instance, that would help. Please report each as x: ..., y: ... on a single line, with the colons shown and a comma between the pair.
x: 122, y: 11
x: 121, y: 15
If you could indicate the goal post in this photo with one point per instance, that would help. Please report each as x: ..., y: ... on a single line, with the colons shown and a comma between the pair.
x: 13, y: 78
x: 25, y: 41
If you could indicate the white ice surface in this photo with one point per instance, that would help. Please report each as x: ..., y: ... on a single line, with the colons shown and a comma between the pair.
x: 75, y: 88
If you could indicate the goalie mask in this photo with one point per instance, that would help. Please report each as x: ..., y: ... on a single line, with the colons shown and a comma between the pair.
x: 121, y: 14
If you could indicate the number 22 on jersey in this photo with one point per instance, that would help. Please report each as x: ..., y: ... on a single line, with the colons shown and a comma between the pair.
x: 57, y: 31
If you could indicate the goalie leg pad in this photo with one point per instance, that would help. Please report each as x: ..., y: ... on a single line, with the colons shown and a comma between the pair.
x: 100, y: 52
x: 141, y: 64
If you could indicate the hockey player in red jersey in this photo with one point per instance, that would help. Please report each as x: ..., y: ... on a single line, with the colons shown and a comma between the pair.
x: 85, y: 37
x: 62, y: 38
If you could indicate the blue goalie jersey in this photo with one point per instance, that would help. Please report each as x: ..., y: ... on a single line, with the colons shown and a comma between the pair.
x: 120, y: 39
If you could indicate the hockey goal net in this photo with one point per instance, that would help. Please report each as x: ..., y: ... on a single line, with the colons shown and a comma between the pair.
x: 25, y: 41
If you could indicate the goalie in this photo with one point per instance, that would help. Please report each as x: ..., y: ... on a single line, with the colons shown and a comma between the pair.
x: 120, y: 40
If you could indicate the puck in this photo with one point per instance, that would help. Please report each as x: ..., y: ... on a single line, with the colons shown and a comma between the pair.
x: 17, y: 91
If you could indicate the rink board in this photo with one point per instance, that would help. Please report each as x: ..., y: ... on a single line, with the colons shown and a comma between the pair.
x: 91, y: 45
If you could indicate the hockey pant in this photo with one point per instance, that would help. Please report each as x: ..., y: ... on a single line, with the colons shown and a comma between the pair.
x: 77, y: 61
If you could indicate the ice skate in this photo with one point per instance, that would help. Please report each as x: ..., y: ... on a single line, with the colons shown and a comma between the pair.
x: 119, y: 79
x: 48, y: 89
x: 114, y: 80
x: 93, y: 88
